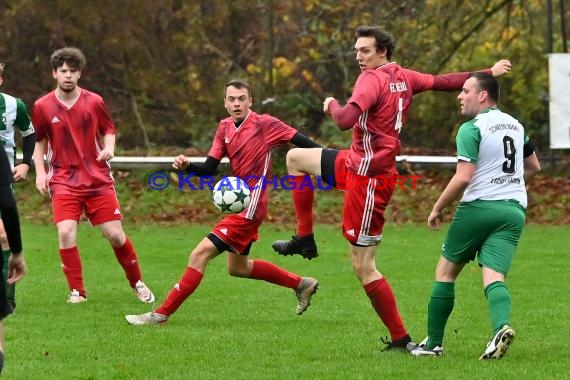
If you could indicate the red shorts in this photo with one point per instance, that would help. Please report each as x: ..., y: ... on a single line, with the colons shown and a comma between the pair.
x: 99, y: 209
x: 237, y: 232
x: 365, y: 200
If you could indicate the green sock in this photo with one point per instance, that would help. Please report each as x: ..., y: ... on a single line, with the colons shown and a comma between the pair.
x: 439, y: 309
x: 499, y: 299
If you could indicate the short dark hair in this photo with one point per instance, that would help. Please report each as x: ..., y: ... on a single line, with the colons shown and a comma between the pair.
x: 238, y: 83
x: 487, y: 82
x: 383, y: 39
x: 70, y: 55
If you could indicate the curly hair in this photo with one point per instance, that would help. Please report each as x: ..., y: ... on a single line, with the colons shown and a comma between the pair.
x: 70, y: 55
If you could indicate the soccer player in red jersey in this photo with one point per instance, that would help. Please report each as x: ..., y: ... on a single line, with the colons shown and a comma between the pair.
x: 75, y: 128
x: 246, y: 138
x: 376, y: 111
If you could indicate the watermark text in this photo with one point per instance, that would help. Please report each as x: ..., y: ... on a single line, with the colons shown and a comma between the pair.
x: 191, y: 181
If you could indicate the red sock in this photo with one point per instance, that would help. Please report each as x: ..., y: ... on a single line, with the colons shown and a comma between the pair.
x: 127, y: 257
x: 266, y: 271
x: 72, y: 269
x: 303, y: 197
x: 186, y: 285
x: 384, y: 302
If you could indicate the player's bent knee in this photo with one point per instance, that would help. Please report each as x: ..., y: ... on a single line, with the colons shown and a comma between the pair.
x: 303, y: 160
x: 292, y: 159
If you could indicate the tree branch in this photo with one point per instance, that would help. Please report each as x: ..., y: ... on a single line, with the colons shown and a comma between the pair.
x: 486, y: 15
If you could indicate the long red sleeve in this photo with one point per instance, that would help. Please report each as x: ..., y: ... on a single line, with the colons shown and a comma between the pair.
x: 344, y: 117
x: 452, y: 81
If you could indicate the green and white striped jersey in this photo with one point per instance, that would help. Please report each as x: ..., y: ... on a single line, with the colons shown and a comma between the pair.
x: 14, y: 114
x: 493, y: 141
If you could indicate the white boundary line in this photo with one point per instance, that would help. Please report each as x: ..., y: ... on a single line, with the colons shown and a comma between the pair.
x: 133, y: 162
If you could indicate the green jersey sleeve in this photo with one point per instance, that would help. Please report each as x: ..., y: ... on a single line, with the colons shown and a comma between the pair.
x: 467, y: 140
x: 23, y: 121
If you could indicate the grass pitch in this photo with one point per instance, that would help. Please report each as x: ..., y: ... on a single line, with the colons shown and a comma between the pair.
x: 243, y: 329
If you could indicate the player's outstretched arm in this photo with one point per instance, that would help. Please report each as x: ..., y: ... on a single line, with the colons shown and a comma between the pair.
x: 303, y: 141
x: 501, y: 68
x: 209, y: 167
x: 181, y: 162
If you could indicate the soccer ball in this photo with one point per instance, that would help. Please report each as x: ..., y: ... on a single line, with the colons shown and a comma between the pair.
x: 231, y: 194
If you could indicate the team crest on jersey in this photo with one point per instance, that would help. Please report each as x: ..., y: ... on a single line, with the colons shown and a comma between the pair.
x: 226, y: 140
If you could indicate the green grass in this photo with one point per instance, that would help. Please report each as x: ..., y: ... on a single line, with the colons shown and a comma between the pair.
x: 241, y: 329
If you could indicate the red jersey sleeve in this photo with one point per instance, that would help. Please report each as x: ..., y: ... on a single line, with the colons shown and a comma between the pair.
x: 367, y: 90
x: 345, y: 117
x: 446, y: 82
x: 106, y: 125
x: 39, y: 122
x: 275, y: 131
x: 218, y: 149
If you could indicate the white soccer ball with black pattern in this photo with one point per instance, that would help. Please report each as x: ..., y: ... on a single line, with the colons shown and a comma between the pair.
x: 231, y: 194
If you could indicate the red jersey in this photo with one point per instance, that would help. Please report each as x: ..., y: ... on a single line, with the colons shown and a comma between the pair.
x: 384, y: 96
x: 249, y: 150
x: 74, y: 141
